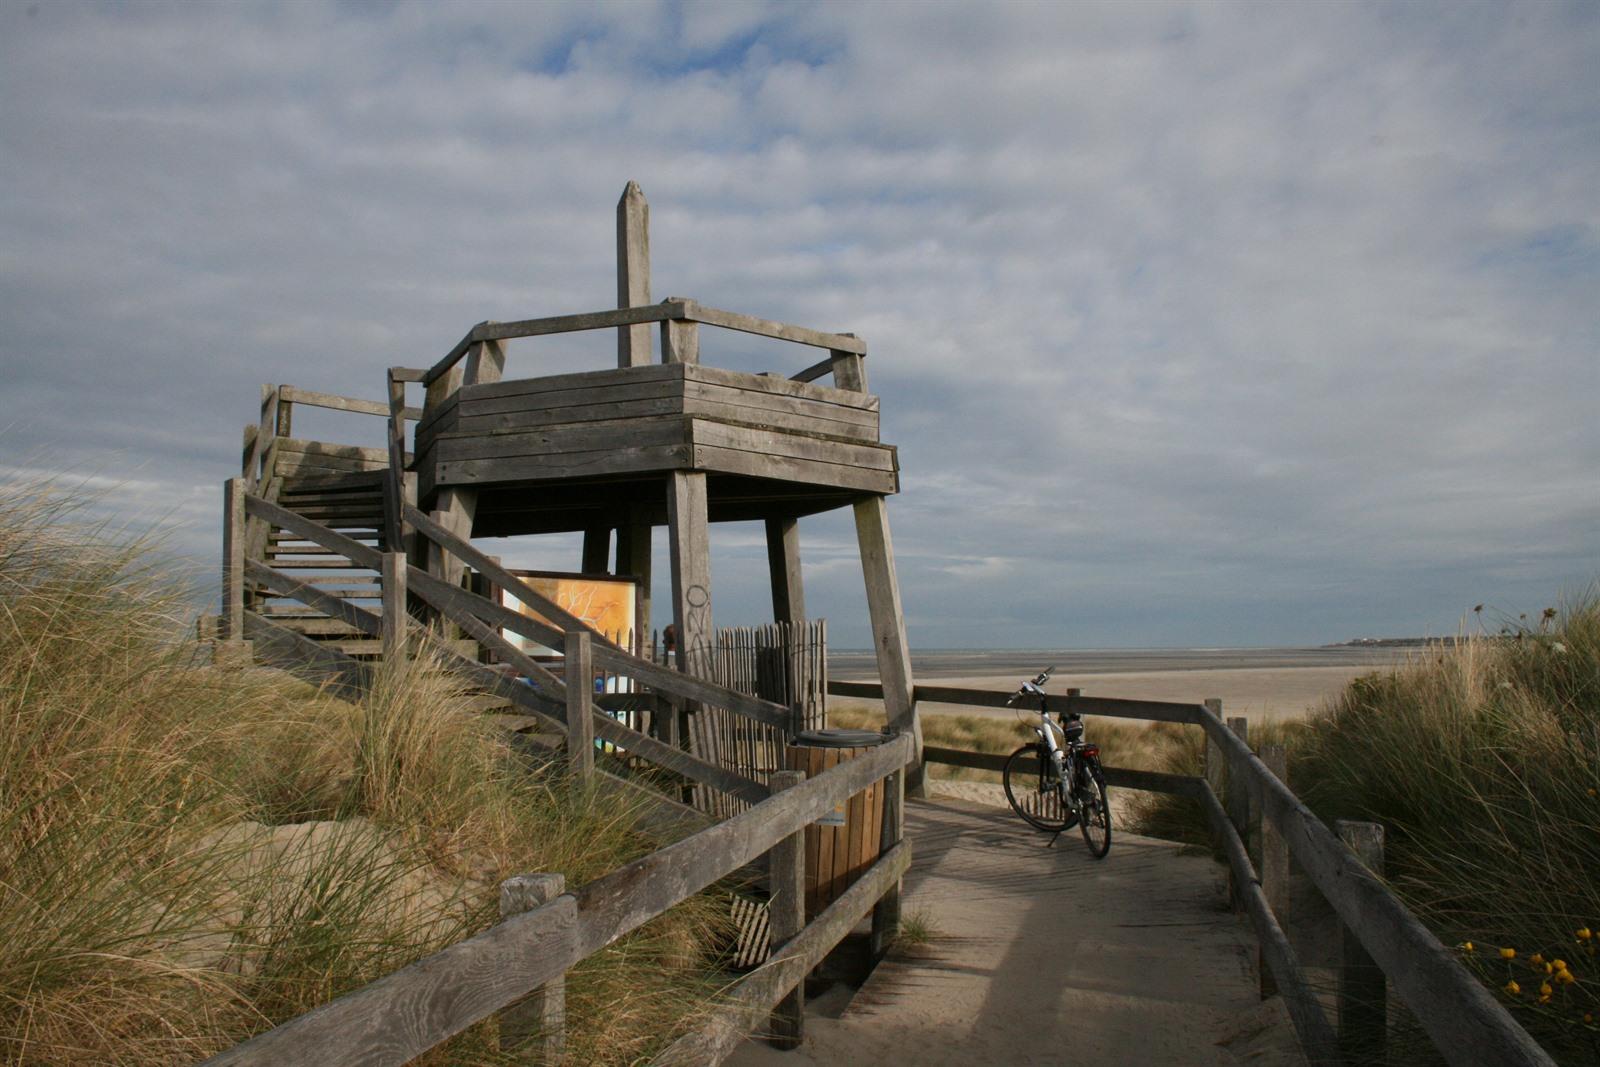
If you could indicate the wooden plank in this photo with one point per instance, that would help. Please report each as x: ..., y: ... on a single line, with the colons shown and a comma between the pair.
x: 1157, y: 711
x: 783, y: 567
x: 680, y: 342
x: 797, y: 445
x: 889, y: 629
x: 396, y: 617
x: 730, y: 320
x: 630, y: 896
x: 764, y: 394
x: 335, y: 482
x: 489, y: 397
x: 233, y: 554
x: 891, y: 834
x: 407, y: 374
x: 406, y: 1013
x: 1317, y: 1038
x: 1121, y: 777
x: 583, y: 437
x: 607, y: 654
x: 800, y: 471
x: 446, y: 366
x: 560, y: 466
x: 786, y: 911
x: 633, y: 273
x: 749, y: 1002
x: 1464, y: 1020
x: 1275, y: 875
x: 592, y: 320
x: 820, y: 369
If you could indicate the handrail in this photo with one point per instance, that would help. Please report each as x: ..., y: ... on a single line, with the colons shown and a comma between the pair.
x: 606, y: 653
x: 406, y: 1013
x: 1156, y: 710
x: 672, y: 309
x: 1463, y: 1019
x: 292, y: 395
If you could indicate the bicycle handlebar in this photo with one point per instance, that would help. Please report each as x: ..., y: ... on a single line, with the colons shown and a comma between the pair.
x: 1033, y: 686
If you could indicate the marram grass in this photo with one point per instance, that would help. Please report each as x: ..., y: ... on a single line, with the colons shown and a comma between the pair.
x: 189, y: 856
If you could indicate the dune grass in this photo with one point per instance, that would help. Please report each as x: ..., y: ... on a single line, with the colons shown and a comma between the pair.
x: 189, y: 855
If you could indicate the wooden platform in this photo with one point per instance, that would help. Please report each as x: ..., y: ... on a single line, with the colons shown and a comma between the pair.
x: 1046, y: 956
x: 599, y: 442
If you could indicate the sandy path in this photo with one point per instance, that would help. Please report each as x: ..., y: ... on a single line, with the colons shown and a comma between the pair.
x: 1045, y: 956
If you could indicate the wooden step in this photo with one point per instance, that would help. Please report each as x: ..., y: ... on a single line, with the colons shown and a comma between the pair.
x: 317, y: 625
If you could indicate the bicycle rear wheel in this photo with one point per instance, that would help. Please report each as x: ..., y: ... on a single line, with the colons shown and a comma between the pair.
x: 1032, y: 791
x: 1096, y: 821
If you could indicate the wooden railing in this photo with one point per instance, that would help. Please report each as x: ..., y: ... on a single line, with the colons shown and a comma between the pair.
x: 680, y: 319
x: 1465, y: 1022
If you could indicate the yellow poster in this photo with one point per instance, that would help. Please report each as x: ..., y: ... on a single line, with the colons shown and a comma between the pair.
x: 606, y: 604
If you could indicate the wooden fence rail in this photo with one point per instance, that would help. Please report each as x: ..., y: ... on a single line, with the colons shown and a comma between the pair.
x: 406, y: 1013
x: 1465, y: 1022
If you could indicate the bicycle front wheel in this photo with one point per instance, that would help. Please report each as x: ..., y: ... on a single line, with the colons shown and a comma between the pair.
x: 1032, y: 791
x: 1096, y: 820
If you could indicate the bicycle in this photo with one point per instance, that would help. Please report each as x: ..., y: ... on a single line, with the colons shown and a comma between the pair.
x: 1065, y: 785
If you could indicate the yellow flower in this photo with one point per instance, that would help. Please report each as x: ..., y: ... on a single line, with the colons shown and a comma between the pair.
x: 1466, y: 946
x: 1548, y: 969
x: 1592, y: 791
x: 1513, y: 988
x: 1536, y: 959
x: 1544, y: 989
x: 1559, y: 965
x: 1508, y: 953
x: 1565, y: 977
x: 1584, y: 933
x: 1544, y: 998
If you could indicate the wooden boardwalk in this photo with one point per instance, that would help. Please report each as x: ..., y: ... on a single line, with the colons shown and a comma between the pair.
x: 1044, y: 956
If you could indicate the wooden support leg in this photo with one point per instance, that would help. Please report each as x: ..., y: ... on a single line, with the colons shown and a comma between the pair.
x: 783, y: 561
x: 691, y: 572
x: 633, y: 274
x: 1274, y: 865
x: 233, y: 560
x: 889, y: 630
x: 1216, y: 764
x: 596, y: 549
x: 786, y: 873
x: 633, y: 559
x: 395, y: 615
x: 542, y: 1014
x: 454, y: 511
x: 1363, y: 991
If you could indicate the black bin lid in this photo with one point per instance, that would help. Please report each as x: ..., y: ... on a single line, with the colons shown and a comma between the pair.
x: 839, y: 738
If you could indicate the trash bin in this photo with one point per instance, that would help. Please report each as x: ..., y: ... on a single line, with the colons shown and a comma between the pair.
x: 845, y: 841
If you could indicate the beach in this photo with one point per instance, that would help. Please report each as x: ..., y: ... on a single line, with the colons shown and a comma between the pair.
x: 1257, y: 683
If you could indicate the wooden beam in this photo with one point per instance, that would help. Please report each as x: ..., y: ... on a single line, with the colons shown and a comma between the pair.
x: 1275, y: 885
x: 596, y: 549
x: 849, y: 370
x: 289, y: 394
x: 886, y: 912
x: 1363, y: 990
x: 1238, y: 801
x: 395, y: 615
x: 680, y: 341
x: 633, y: 273
x: 889, y: 629
x: 486, y: 362
x: 783, y: 565
x: 731, y: 320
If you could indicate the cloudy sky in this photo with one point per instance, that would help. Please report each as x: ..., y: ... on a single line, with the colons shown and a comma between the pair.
x: 1195, y: 325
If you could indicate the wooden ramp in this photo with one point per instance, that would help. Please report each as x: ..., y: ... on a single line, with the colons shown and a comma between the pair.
x: 1044, y: 956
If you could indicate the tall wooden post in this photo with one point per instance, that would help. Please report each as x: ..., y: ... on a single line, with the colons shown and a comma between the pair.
x: 886, y: 913
x: 542, y: 1014
x: 596, y: 549
x: 233, y: 560
x: 1363, y: 991
x: 579, y: 678
x: 1216, y: 764
x: 783, y: 562
x: 1274, y: 864
x: 1239, y: 805
x: 786, y: 911
x: 889, y: 630
x: 633, y: 274
x: 691, y: 572
x: 395, y: 617
x: 633, y: 558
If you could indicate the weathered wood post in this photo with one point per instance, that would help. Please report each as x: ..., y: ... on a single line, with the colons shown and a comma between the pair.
x: 1274, y: 864
x: 786, y: 911
x: 783, y: 565
x: 889, y: 630
x: 542, y: 1014
x: 1216, y: 763
x: 1363, y: 991
x: 395, y: 616
x: 233, y: 560
x: 1239, y: 804
x: 633, y: 274
x: 579, y: 678
x: 886, y: 913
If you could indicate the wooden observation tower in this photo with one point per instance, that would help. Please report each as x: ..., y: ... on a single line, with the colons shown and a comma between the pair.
x: 661, y: 439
